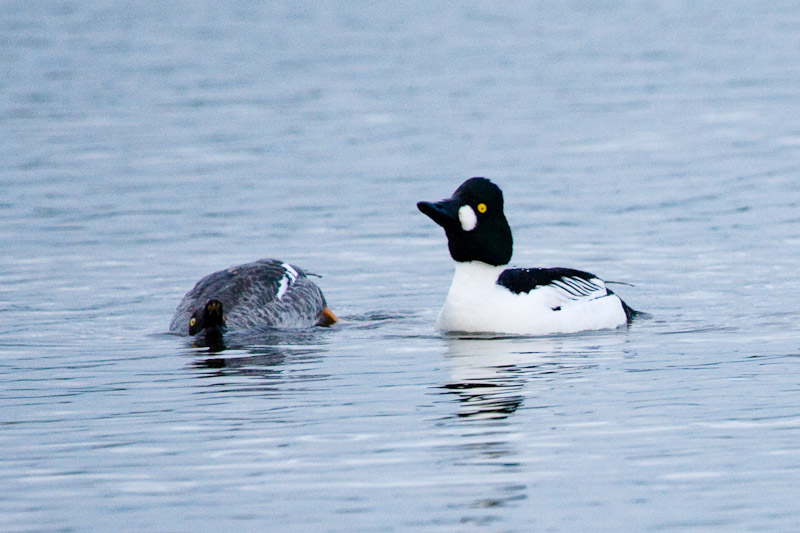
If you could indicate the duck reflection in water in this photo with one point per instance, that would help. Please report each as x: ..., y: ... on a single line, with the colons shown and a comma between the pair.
x: 489, y: 374
x: 263, y: 351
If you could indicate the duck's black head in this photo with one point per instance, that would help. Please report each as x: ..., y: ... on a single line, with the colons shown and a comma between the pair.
x: 208, y: 318
x: 474, y: 222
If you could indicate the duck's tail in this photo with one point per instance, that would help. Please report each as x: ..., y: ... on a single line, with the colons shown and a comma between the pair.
x: 631, y: 313
x: 213, y: 317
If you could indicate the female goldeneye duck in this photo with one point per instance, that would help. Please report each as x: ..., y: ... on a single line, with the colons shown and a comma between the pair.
x: 264, y: 294
x: 487, y: 297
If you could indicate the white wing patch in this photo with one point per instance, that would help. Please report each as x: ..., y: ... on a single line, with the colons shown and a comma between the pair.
x: 570, y: 289
x: 289, y: 277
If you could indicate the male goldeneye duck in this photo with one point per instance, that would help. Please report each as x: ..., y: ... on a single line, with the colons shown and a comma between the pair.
x: 264, y: 294
x: 487, y: 297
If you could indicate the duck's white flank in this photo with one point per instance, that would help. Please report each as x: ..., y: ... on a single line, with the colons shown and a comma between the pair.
x: 477, y: 304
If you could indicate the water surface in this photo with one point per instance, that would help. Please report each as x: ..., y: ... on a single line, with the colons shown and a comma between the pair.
x: 145, y: 146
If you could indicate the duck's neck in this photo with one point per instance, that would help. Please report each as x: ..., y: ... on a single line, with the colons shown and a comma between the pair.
x: 472, y: 278
x: 477, y: 271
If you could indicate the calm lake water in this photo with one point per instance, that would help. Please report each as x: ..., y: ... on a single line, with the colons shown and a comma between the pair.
x: 143, y: 146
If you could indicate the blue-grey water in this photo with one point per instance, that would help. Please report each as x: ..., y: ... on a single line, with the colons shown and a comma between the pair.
x: 144, y: 145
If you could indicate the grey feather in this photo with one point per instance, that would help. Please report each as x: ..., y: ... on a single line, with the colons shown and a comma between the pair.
x: 249, y: 298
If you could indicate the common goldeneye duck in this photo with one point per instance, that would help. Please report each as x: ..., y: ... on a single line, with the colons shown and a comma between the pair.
x: 264, y: 294
x: 487, y: 297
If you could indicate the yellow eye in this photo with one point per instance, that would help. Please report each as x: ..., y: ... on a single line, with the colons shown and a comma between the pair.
x: 192, y: 321
x: 481, y: 208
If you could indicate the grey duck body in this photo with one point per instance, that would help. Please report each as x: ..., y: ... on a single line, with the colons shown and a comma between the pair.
x: 268, y: 293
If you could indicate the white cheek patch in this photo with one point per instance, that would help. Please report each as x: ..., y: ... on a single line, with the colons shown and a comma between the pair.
x: 467, y: 217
